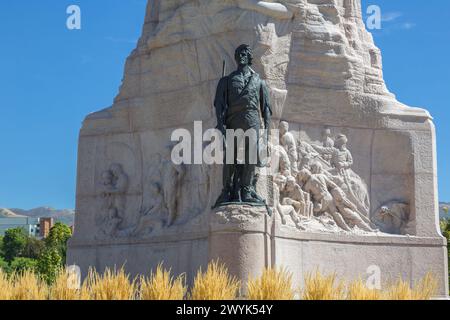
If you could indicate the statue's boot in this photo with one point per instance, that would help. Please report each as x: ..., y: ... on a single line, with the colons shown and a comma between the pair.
x: 340, y: 221
x: 235, y: 197
x: 248, y: 196
x: 224, y: 197
x: 256, y: 196
x: 364, y: 226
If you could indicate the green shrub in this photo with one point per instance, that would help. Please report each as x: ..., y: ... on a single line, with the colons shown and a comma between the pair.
x: 4, y: 265
x: 445, y: 227
x: 57, y: 239
x: 14, y: 243
x: 21, y: 264
x: 33, y: 248
x: 49, y: 264
x: 2, y: 254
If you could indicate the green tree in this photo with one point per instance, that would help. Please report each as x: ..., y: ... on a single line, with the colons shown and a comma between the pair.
x: 447, y: 235
x: 53, y: 257
x: 14, y: 243
x: 33, y: 248
x: 49, y: 264
x: 445, y: 226
x: 2, y: 254
x: 447, y: 230
x: 58, y: 237
x: 21, y: 264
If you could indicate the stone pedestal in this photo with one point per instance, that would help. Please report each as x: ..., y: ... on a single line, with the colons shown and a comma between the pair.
x: 240, y: 237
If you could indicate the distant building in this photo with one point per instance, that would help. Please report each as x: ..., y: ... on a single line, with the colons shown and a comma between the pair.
x: 45, y: 225
x: 35, y: 227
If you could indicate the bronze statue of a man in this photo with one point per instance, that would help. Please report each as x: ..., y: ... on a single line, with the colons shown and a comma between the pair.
x: 242, y: 102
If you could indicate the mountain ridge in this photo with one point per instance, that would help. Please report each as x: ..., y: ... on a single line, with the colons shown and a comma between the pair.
x: 7, y: 213
x: 59, y: 215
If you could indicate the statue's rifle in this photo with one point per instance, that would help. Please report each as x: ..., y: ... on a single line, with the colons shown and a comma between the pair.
x: 359, y: 205
x: 223, y: 115
x: 224, y: 68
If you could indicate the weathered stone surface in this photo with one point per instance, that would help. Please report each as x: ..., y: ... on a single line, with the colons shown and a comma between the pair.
x: 323, y: 71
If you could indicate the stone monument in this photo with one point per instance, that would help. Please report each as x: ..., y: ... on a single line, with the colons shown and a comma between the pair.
x: 351, y: 183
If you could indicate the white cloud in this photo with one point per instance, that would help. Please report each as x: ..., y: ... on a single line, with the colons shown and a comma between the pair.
x: 408, y: 25
x: 391, y: 16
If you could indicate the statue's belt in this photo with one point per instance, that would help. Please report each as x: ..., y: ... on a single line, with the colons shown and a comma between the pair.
x: 244, y: 119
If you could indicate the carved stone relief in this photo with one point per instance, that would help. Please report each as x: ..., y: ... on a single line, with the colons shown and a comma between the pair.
x: 394, y: 217
x: 316, y: 187
x: 312, y: 187
x: 172, y: 194
x: 114, y: 185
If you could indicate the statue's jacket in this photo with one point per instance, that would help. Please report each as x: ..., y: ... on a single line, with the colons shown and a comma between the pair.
x: 243, y: 102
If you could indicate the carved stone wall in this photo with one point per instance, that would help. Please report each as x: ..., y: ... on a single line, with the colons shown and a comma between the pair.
x: 324, y: 72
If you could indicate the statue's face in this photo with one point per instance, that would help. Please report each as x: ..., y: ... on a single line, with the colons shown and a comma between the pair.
x: 284, y: 127
x: 243, y: 58
x: 290, y: 185
x: 341, y: 146
x: 280, y: 182
x: 304, y: 175
x: 115, y: 169
x: 341, y: 142
x: 107, y: 178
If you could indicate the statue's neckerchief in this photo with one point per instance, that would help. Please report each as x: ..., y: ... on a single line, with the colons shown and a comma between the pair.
x: 250, y: 79
x: 247, y: 84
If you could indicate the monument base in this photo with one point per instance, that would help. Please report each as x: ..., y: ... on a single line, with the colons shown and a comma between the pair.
x: 247, y: 240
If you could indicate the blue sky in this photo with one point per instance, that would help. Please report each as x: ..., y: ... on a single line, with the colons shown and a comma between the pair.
x: 52, y: 77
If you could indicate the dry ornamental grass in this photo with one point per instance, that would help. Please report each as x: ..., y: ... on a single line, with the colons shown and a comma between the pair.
x: 162, y: 286
x: 323, y: 287
x: 28, y: 286
x: 358, y: 290
x: 272, y: 285
x: 215, y: 284
x: 112, y: 285
x: 6, y: 286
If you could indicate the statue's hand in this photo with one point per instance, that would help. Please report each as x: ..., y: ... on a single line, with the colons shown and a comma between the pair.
x: 221, y: 128
x: 289, y: 202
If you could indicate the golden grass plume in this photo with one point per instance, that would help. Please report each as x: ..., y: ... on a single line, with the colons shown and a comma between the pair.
x: 28, y: 286
x: 6, y: 286
x: 424, y: 289
x: 66, y: 287
x: 215, y: 284
x: 323, y: 287
x: 111, y: 285
x: 358, y: 290
x: 162, y: 286
x: 273, y: 284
